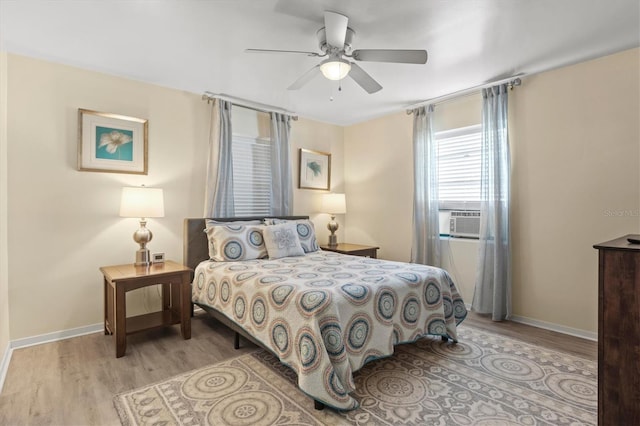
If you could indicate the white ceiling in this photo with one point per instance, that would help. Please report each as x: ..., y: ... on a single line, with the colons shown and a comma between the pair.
x: 198, y: 45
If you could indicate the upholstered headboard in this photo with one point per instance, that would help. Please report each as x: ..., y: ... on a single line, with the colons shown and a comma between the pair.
x: 196, y: 246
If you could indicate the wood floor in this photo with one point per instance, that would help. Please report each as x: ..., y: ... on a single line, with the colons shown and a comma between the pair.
x: 72, y: 382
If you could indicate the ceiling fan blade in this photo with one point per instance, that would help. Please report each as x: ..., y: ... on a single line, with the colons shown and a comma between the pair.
x: 300, y: 52
x: 335, y: 27
x: 363, y: 79
x: 391, y: 55
x: 305, y: 78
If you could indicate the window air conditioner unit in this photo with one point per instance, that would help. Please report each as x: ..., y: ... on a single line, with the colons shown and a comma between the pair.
x: 464, y: 224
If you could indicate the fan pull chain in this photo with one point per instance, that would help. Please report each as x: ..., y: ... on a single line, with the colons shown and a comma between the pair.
x: 339, y: 90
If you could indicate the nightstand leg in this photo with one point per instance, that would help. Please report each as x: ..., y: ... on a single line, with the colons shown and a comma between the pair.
x: 185, y: 307
x: 121, y: 328
x: 106, y: 305
x: 167, y: 302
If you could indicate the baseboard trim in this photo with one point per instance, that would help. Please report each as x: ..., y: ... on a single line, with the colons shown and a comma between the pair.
x: 40, y: 339
x: 4, y: 365
x: 56, y: 335
x: 556, y: 327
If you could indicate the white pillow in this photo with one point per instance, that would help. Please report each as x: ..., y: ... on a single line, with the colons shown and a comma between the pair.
x: 282, y: 240
x: 229, y: 243
x: 306, y: 233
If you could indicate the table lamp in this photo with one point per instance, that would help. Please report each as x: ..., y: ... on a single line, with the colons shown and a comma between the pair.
x: 142, y: 202
x: 333, y: 204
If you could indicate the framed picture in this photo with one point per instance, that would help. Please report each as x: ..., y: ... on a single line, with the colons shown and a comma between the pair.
x: 112, y: 143
x: 315, y: 170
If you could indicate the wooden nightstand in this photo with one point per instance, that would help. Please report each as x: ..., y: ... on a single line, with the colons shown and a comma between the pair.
x: 353, y: 249
x: 176, y: 299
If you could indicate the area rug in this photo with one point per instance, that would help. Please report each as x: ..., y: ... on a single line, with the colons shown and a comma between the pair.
x: 485, y: 379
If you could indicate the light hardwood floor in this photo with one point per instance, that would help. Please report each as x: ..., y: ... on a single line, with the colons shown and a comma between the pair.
x: 72, y: 382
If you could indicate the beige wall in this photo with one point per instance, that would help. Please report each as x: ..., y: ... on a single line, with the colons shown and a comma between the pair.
x: 4, y: 279
x: 322, y: 137
x: 459, y: 112
x: 379, y: 184
x: 459, y: 257
x: 64, y: 224
x: 576, y: 155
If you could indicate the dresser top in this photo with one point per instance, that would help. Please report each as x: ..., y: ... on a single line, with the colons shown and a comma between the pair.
x: 620, y: 244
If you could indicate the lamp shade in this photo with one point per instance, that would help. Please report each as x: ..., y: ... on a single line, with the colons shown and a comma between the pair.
x: 142, y: 202
x: 335, y: 68
x: 334, y: 203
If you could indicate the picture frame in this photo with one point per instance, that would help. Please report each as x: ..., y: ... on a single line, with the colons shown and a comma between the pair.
x: 112, y: 143
x: 314, y: 170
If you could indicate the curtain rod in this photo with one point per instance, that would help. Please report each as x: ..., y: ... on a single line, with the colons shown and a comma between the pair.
x: 256, y: 106
x: 511, y: 81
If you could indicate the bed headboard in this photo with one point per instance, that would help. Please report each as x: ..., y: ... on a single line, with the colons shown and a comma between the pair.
x: 196, y: 246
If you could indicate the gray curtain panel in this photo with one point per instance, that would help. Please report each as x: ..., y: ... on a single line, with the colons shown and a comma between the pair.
x: 219, y: 201
x: 281, y: 175
x: 426, y: 228
x: 493, y: 278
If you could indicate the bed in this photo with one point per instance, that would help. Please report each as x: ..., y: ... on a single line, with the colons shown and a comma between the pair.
x: 323, y: 314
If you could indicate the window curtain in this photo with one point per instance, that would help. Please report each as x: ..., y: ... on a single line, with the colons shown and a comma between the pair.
x: 219, y: 200
x: 281, y: 180
x: 426, y: 228
x: 493, y: 278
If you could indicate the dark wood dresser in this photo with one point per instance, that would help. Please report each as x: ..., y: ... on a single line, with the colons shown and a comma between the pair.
x: 619, y: 332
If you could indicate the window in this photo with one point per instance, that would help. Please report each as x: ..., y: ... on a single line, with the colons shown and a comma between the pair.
x: 251, y: 153
x: 459, y: 164
x: 251, y: 175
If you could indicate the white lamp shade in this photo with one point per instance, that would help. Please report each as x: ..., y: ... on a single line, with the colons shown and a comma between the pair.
x: 335, y: 69
x: 334, y: 203
x: 142, y: 202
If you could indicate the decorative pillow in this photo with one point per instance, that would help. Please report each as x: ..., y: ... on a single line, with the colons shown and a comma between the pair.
x: 306, y: 232
x: 229, y: 243
x: 210, y: 223
x: 282, y: 240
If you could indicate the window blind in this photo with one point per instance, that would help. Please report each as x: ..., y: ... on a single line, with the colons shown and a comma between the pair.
x: 251, y: 175
x: 459, y: 167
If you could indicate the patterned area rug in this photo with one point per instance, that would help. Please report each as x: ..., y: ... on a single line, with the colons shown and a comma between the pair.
x: 486, y: 379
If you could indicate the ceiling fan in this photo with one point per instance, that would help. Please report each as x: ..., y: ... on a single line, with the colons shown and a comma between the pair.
x: 335, y: 40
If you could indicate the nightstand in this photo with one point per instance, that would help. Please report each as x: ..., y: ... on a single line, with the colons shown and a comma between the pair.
x: 176, y: 299
x: 353, y: 249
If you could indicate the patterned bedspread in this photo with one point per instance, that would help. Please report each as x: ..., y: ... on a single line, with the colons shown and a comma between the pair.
x: 326, y: 314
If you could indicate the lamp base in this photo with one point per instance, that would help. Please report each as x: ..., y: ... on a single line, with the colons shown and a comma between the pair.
x: 143, y: 257
x: 142, y: 236
x: 332, y: 226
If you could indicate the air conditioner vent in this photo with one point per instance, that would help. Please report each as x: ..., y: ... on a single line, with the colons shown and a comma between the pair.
x: 465, y: 223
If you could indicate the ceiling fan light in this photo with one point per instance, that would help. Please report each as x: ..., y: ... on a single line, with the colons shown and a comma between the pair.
x: 335, y: 69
